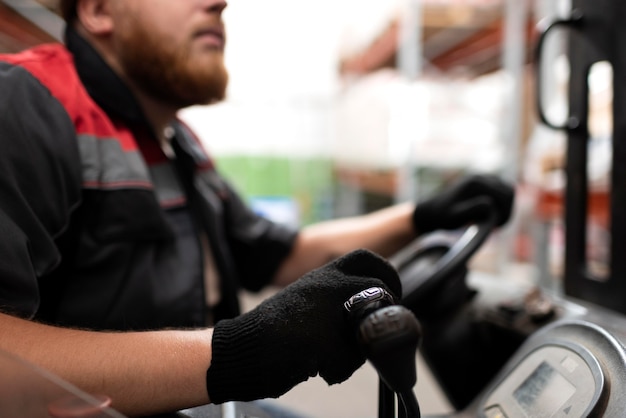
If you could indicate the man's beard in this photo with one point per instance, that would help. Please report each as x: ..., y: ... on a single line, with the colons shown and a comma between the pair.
x: 167, y: 73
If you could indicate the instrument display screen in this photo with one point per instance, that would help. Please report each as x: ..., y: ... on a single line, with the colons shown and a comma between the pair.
x: 552, y: 380
x: 544, y: 392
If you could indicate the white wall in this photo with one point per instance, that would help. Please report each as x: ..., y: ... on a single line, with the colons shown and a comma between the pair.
x: 282, y: 57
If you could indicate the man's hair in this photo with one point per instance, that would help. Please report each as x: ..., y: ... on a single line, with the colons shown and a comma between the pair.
x: 67, y: 8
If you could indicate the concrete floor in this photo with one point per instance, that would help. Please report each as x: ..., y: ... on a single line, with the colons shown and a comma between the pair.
x: 358, y: 396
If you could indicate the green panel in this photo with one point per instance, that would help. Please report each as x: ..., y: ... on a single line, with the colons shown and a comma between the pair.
x: 309, y: 181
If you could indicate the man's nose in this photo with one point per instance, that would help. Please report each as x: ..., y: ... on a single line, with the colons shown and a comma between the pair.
x: 214, y: 6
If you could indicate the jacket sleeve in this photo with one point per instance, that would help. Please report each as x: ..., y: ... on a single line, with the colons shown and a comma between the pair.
x: 40, y: 184
x: 259, y: 245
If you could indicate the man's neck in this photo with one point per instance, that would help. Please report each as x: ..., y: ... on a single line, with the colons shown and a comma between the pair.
x: 159, y: 114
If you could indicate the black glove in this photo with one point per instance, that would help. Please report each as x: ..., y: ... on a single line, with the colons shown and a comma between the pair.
x: 299, y: 332
x: 469, y: 200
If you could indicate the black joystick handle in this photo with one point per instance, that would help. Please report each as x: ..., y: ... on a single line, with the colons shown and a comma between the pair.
x: 390, y: 337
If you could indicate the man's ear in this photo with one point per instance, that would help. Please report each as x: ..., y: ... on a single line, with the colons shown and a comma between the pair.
x: 95, y: 16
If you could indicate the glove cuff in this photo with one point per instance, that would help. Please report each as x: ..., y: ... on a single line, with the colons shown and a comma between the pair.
x: 232, y: 374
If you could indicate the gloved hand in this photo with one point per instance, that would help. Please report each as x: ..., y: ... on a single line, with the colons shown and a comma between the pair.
x: 469, y: 200
x: 299, y: 332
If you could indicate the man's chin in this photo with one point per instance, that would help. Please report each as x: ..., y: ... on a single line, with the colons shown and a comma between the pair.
x: 199, y: 96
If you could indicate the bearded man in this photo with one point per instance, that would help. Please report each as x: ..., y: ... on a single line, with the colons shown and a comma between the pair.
x: 114, y: 218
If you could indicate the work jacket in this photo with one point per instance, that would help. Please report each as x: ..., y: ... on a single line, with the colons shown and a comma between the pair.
x: 100, y: 228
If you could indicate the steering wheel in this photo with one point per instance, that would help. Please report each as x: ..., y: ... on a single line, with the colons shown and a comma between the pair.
x: 438, y: 260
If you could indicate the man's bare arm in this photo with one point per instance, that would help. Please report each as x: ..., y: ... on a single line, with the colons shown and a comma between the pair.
x: 143, y: 372
x: 384, y: 232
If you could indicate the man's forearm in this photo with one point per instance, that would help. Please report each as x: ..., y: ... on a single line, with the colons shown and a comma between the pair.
x: 143, y: 372
x: 384, y: 232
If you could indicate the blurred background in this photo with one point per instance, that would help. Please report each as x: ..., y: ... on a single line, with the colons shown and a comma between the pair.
x: 341, y: 107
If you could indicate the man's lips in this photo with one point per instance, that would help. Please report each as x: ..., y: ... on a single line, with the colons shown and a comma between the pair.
x: 213, y: 36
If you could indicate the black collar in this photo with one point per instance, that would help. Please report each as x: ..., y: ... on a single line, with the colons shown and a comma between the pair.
x: 103, y: 84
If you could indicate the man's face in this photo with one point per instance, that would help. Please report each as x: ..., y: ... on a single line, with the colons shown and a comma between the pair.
x: 172, y: 49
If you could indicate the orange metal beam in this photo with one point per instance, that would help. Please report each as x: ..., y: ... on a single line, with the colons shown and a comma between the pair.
x: 17, y: 33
